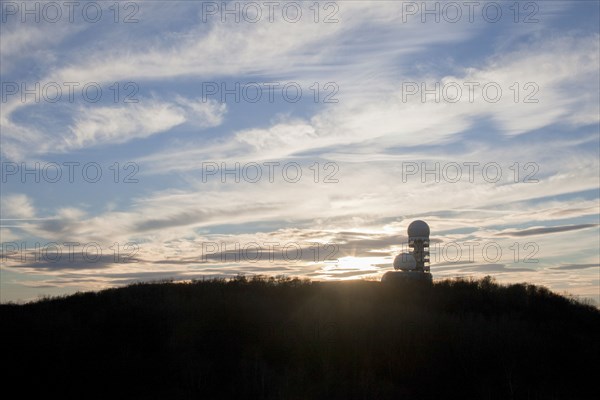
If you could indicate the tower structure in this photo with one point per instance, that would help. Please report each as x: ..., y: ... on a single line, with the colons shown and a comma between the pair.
x: 418, y: 241
x: 413, y: 265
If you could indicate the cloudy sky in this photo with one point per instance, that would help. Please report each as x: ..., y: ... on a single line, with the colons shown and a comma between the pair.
x: 180, y: 139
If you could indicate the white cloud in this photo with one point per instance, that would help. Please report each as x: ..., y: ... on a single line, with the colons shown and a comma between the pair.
x: 95, y: 125
x: 276, y: 48
x: 17, y: 206
x: 32, y: 41
x: 399, y: 120
x: 120, y: 124
x: 304, y: 52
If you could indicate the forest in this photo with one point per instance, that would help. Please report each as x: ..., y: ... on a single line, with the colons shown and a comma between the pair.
x: 283, y: 338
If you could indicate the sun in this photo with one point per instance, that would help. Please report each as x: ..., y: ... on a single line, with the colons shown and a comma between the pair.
x: 350, y: 267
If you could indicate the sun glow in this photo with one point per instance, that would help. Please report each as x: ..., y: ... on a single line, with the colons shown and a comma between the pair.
x: 346, y: 268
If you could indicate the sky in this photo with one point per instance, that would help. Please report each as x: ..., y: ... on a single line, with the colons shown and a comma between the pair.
x: 153, y: 140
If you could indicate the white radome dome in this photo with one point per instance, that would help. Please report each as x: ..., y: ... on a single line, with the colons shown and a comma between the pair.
x: 405, y: 262
x: 418, y: 228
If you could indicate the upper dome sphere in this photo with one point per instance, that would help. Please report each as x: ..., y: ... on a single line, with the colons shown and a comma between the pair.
x: 418, y: 228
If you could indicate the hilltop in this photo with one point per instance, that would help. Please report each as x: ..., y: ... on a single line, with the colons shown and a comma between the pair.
x: 277, y: 338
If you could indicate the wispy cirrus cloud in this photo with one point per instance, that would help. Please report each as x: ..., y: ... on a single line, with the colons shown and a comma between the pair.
x: 120, y: 124
x: 544, y: 231
x: 114, y: 124
x: 397, y: 119
x: 568, y: 267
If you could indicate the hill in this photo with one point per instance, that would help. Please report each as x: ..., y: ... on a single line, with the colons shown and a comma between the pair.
x: 275, y: 338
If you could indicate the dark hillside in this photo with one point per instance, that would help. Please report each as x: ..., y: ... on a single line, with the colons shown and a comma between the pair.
x: 289, y: 339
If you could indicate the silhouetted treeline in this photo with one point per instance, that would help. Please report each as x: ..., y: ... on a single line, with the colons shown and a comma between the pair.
x: 267, y: 338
